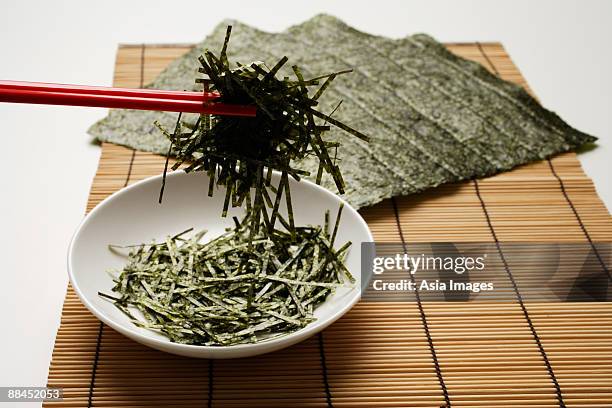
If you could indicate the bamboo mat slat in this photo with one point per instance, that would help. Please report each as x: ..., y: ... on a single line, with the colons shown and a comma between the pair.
x: 403, y: 354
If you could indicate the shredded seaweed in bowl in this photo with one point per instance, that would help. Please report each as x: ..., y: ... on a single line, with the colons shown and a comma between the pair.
x: 256, y: 281
x: 237, y: 288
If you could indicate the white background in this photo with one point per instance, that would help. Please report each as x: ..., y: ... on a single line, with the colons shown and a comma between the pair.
x: 562, y: 48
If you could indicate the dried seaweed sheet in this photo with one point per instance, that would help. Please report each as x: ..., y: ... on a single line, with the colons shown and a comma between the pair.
x: 432, y: 117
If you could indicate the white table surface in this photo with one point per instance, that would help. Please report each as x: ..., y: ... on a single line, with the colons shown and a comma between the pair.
x: 562, y: 48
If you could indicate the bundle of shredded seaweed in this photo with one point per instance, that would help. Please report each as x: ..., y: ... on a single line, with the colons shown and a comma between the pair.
x: 230, y: 291
x: 240, y: 153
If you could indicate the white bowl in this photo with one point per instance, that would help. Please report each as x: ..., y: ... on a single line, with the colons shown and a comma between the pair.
x: 133, y: 216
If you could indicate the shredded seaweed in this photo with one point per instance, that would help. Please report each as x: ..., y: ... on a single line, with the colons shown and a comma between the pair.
x: 241, y: 287
x: 240, y: 153
x: 256, y: 281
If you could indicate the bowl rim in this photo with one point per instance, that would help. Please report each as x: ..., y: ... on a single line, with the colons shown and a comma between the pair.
x: 188, y: 349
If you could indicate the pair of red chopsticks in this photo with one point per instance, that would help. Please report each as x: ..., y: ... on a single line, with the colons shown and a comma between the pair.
x: 125, y: 98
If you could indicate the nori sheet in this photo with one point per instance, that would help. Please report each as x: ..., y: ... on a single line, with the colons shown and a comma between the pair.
x: 432, y: 116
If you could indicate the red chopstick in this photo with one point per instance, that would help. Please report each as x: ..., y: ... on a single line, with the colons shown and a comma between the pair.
x: 125, y: 98
x: 102, y: 90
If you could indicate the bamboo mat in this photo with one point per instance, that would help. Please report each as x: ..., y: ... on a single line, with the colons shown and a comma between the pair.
x: 404, y: 354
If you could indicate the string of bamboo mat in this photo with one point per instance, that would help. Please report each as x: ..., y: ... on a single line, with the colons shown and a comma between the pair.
x: 381, y: 354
